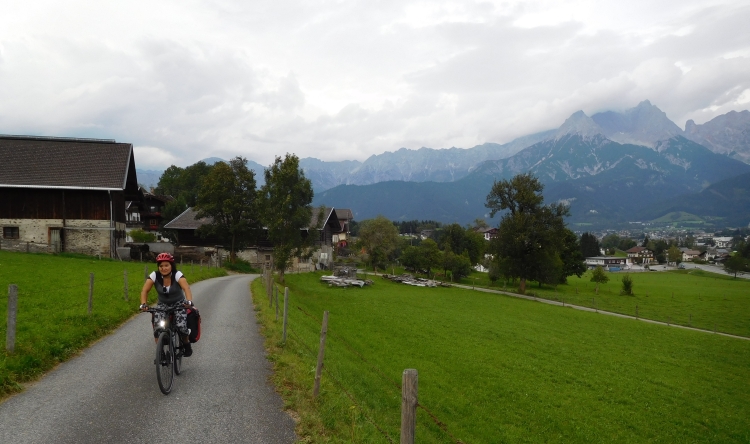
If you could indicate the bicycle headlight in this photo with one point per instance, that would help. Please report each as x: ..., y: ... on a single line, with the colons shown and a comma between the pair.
x: 162, y: 323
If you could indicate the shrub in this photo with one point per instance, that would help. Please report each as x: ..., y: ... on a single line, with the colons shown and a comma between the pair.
x: 240, y: 266
x: 627, y: 285
x: 142, y: 236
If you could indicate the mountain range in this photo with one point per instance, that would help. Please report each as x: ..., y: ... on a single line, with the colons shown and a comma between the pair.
x: 610, y: 167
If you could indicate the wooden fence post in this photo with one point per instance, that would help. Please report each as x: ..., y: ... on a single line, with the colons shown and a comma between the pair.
x: 276, y: 292
x: 270, y: 296
x: 126, y: 284
x: 286, y: 305
x: 409, y: 388
x: 10, y: 334
x: 145, y: 272
x: 91, y: 291
x: 321, y: 353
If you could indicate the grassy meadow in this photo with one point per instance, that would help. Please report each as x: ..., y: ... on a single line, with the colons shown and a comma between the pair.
x: 494, y: 368
x: 53, y: 322
x: 694, y: 297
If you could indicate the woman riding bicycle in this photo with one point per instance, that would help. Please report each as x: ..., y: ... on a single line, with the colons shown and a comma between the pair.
x: 174, y: 292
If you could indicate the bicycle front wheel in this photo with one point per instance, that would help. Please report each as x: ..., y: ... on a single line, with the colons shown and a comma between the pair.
x: 164, y: 363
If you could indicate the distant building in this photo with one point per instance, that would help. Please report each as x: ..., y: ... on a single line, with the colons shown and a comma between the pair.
x: 723, y: 242
x: 607, y: 262
x: 689, y: 254
x: 487, y: 232
x: 640, y: 255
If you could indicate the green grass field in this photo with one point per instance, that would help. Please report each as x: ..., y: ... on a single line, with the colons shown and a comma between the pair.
x: 692, y: 297
x: 53, y: 321
x: 495, y: 368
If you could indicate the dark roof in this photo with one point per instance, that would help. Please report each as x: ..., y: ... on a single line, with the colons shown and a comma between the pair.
x: 637, y: 249
x: 187, y: 221
x: 49, y: 162
x: 344, y: 213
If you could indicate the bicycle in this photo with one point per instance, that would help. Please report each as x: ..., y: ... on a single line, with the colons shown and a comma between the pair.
x: 169, y: 350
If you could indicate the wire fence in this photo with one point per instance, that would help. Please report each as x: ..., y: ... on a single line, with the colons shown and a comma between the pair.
x: 342, y: 359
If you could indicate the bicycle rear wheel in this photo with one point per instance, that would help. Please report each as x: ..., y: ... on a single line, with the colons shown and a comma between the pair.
x: 164, y: 363
x: 177, y: 341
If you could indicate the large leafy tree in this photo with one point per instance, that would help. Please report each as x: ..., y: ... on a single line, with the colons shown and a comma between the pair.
x: 228, y: 196
x: 531, y: 235
x: 454, y: 238
x: 573, y: 261
x: 599, y: 276
x: 674, y: 254
x: 183, y: 183
x: 590, y: 245
x: 379, y: 238
x: 286, y: 212
x: 736, y: 264
x: 431, y: 255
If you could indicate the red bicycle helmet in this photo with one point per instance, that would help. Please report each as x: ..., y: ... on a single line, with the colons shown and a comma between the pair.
x: 164, y: 257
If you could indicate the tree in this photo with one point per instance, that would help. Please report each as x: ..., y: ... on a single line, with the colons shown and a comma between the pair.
x: 410, y: 258
x: 645, y: 242
x: 458, y: 240
x: 480, y: 223
x: 610, y: 241
x: 674, y: 254
x: 228, y: 196
x: 736, y: 264
x: 183, y: 183
x: 286, y: 200
x: 590, y: 245
x: 531, y: 234
x: 573, y: 261
x: 627, y: 285
x: 600, y: 277
x: 379, y: 238
x: 431, y: 255
x: 458, y: 264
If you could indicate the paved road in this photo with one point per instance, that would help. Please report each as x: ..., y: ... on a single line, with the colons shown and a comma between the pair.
x: 718, y: 269
x: 109, y: 393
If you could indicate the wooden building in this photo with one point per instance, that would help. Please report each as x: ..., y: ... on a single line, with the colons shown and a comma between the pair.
x: 64, y: 194
x: 332, y: 232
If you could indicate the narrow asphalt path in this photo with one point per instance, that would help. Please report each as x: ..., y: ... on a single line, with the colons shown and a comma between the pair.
x: 109, y: 393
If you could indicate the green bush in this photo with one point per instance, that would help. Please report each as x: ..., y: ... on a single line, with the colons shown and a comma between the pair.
x: 627, y: 285
x: 142, y: 236
x: 240, y: 266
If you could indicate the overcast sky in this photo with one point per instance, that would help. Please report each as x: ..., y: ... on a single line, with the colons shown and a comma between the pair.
x: 343, y: 80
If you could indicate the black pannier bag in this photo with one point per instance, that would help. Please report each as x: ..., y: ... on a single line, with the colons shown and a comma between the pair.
x: 194, y: 324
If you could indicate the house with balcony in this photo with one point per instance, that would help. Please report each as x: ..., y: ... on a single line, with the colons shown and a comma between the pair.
x: 640, y: 255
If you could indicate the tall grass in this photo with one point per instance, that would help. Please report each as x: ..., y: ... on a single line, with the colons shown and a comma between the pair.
x: 694, y: 298
x: 53, y: 321
x: 494, y: 368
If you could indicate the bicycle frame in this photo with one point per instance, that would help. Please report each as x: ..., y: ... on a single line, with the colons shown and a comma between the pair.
x: 169, y: 349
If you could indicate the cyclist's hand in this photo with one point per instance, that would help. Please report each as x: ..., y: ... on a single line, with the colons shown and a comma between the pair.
x: 144, y: 307
x: 189, y: 304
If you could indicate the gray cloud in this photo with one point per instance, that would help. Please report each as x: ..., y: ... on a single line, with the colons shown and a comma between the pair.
x: 188, y: 80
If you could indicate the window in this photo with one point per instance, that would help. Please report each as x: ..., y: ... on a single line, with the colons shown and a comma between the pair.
x: 10, y: 232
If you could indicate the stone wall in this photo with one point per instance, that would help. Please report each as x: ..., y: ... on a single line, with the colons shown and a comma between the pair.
x: 80, y: 236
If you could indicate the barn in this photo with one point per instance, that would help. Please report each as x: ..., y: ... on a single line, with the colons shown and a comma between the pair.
x: 65, y: 194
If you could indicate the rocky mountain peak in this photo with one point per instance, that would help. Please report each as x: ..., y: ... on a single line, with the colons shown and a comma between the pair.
x: 645, y: 125
x: 581, y: 124
x: 727, y: 134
